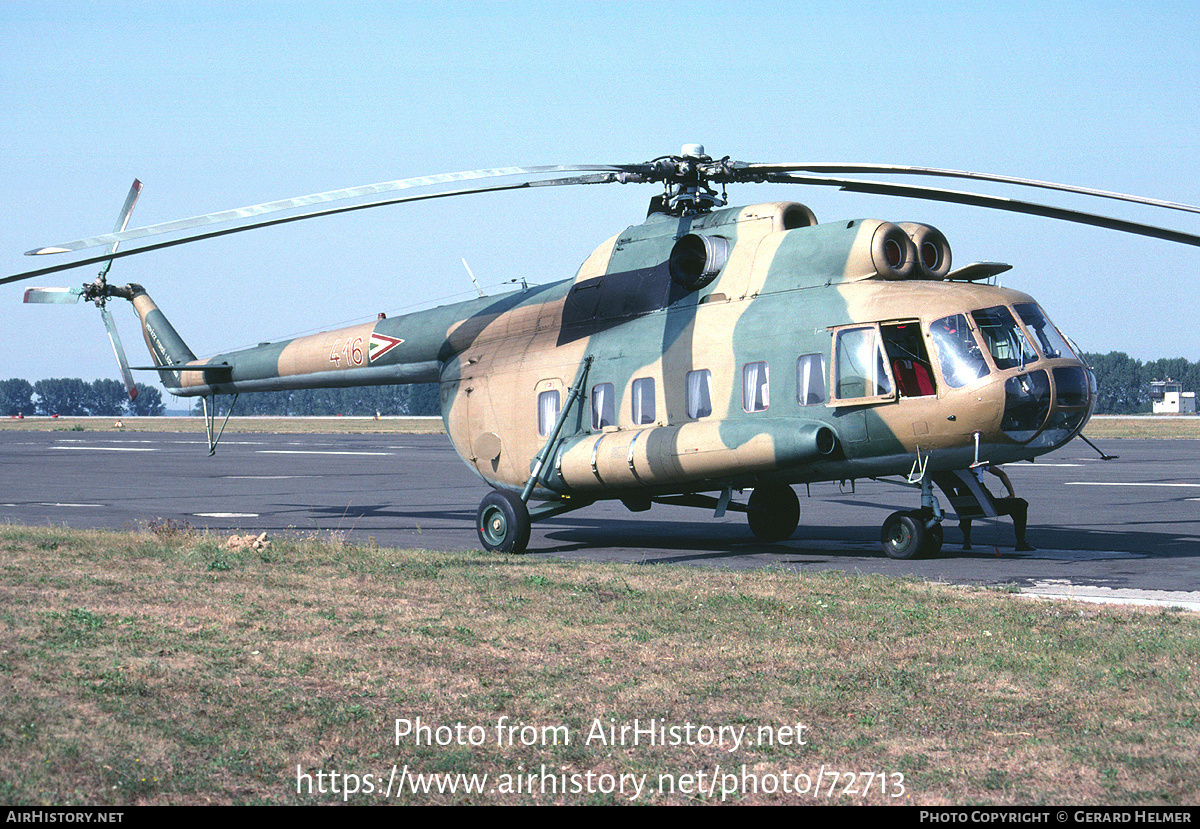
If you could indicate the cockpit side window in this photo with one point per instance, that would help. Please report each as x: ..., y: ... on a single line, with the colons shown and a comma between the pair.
x: 908, y: 358
x: 957, y: 351
x: 1009, y: 347
x: 1049, y: 340
x: 860, y: 366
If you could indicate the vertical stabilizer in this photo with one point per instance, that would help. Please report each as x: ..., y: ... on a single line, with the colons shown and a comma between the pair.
x: 166, y: 346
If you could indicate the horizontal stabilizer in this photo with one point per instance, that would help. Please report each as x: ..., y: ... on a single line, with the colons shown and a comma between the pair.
x: 217, y: 367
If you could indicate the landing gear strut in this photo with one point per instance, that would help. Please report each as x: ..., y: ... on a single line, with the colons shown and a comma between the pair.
x: 503, y: 520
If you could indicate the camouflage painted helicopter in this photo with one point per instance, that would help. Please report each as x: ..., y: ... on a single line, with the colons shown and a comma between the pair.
x: 706, y: 351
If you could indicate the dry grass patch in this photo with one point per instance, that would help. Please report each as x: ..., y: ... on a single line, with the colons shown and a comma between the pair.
x: 1133, y: 426
x: 158, y: 667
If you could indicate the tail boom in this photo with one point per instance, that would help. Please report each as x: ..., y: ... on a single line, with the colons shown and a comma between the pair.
x: 376, y: 353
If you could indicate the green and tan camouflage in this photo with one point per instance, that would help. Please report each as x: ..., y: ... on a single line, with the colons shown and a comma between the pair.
x: 704, y: 352
x: 748, y: 306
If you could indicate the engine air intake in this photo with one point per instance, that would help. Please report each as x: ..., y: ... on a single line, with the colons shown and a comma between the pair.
x: 932, y: 249
x: 696, y: 260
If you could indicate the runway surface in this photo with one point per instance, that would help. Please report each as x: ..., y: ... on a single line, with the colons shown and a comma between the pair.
x: 1126, y: 525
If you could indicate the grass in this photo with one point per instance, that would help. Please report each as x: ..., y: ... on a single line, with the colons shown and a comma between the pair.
x: 1133, y: 426
x: 165, y: 667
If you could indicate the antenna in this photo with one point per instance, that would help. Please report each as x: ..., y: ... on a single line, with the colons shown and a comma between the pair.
x: 473, y: 279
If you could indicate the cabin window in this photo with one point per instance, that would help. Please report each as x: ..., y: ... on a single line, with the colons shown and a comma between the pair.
x: 604, y: 411
x: 1009, y: 347
x: 548, y: 405
x: 1051, y: 342
x: 756, y: 388
x: 859, y: 367
x: 643, y: 401
x: 699, y: 394
x: 959, y: 355
x: 908, y: 359
x: 810, y: 379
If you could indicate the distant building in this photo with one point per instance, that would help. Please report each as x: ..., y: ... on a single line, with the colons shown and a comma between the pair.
x: 1168, y: 397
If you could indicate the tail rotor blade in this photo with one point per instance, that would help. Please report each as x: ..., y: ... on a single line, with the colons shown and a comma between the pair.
x: 62, y: 296
x: 123, y: 222
x: 126, y: 374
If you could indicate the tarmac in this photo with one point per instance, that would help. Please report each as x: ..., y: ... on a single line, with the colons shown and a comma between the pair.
x: 1126, y: 530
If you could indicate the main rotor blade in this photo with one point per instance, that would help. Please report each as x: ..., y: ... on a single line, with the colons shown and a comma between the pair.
x: 210, y: 234
x: 126, y: 374
x: 770, y: 169
x: 997, y: 203
x: 316, y: 198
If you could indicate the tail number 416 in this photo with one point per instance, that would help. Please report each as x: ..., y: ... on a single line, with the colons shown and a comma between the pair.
x: 349, y: 350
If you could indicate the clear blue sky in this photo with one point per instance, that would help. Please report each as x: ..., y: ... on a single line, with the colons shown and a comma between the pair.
x: 219, y: 105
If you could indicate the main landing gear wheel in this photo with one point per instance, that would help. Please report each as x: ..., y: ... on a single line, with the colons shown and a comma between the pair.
x: 503, y: 523
x: 773, y: 512
x: 905, y: 536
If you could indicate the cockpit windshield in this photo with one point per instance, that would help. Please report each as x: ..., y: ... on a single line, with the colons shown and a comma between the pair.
x: 1010, y: 348
x: 1049, y: 340
x: 959, y: 355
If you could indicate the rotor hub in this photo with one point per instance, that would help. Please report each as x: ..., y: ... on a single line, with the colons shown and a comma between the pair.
x: 686, y: 178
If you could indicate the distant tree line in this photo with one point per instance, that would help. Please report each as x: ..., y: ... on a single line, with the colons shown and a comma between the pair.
x: 1124, y: 388
x: 419, y: 399
x: 1124, y: 383
x: 69, y: 397
x: 73, y: 397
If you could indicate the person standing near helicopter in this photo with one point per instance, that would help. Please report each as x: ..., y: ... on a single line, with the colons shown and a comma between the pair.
x: 1017, y: 508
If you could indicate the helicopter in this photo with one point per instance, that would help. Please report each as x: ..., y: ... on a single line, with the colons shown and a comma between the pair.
x: 706, y: 351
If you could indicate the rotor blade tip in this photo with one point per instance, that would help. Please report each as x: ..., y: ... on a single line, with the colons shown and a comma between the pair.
x: 41, y: 251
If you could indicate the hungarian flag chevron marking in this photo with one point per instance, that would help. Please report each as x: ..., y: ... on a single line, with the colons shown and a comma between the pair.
x: 381, y: 344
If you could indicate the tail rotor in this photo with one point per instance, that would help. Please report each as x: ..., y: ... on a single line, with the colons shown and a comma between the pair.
x: 99, y: 292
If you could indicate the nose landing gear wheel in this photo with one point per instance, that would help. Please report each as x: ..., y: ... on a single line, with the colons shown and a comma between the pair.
x: 904, y: 536
x: 503, y: 523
